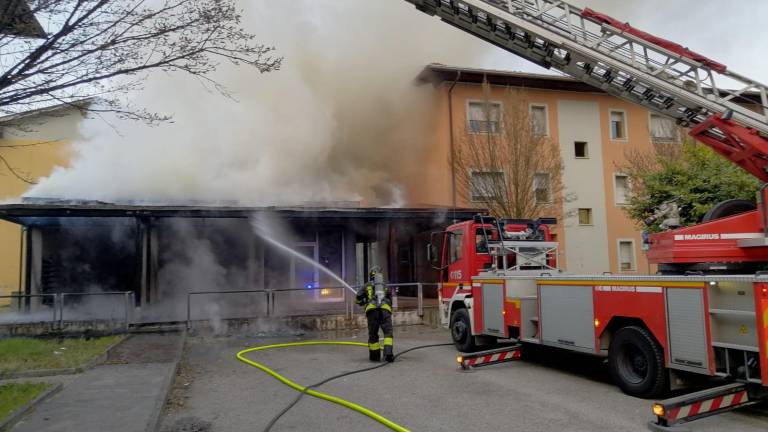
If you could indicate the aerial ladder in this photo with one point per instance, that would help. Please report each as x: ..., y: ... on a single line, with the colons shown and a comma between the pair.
x: 723, y: 109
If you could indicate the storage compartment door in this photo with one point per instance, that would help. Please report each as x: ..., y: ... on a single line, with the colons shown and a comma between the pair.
x: 567, y: 316
x: 686, y: 328
x: 493, y: 308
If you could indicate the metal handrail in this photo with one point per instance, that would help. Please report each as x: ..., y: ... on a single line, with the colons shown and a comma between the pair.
x: 192, y: 293
x: 128, y: 299
x: 30, y: 296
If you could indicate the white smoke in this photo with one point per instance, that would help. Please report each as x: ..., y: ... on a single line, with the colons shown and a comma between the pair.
x: 341, y: 121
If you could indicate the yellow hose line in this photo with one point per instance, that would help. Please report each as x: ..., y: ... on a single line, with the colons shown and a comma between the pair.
x: 330, y: 398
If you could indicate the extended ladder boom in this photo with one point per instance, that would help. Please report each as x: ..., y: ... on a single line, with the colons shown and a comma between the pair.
x: 630, y: 64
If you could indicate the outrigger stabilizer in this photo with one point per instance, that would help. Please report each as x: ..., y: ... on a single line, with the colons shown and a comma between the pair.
x: 490, y: 357
x: 693, y: 406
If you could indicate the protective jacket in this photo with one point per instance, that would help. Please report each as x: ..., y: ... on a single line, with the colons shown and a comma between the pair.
x: 366, y: 297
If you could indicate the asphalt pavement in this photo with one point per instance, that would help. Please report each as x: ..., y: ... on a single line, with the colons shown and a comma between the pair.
x: 423, y: 391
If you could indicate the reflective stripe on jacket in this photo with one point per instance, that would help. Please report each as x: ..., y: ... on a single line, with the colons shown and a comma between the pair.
x: 366, y: 296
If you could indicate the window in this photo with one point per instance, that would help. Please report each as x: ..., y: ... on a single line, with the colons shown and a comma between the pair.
x: 454, y: 244
x: 626, y: 255
x: 404, y: 255
x: 663, y: 128
x: 585, y: 216
x: 541, y: 188
x: 486, y: 184
x: 621, y: 188
x: 618, y: 125
x: 482, y: 237
x: 483, y: 117
x: 581, y: 149
x: 539, y: 120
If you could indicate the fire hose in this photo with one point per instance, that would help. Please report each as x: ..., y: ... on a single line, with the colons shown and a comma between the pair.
x: 309, y: 390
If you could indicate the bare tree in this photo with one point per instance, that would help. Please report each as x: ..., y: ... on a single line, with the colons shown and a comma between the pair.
x: 506, y: 161
x: 104, y: 49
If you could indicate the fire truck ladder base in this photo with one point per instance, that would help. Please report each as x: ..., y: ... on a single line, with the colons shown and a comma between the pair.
x: 693, y: 406
x: 490, y: 357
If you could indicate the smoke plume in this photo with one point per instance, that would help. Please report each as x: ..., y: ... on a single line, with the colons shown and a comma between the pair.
x: 342, y: 120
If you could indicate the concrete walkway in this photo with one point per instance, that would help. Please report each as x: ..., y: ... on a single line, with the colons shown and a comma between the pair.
x: 124, y: 395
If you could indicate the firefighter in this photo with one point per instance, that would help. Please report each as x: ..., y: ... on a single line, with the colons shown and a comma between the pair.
x: 377, y: 300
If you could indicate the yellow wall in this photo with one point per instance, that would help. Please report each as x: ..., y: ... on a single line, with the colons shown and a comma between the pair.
x: 42, y: 143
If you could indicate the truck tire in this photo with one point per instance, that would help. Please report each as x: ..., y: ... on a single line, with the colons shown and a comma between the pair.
x: 461, y: 331
x: 728, y: 208
x: 637, y: 363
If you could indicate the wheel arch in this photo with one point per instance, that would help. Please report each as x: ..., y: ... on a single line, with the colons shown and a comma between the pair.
x: 619, y: 322
x: 458, y: 304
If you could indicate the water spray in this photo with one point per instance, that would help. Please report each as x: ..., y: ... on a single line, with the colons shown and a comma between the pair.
x: 304, y: 258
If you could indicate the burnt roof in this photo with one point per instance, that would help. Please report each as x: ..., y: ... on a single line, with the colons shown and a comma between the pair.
x: 437, y: 73
x: 42, y: 214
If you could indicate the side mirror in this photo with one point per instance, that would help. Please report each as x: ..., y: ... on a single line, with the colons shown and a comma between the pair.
x: 431, y: 254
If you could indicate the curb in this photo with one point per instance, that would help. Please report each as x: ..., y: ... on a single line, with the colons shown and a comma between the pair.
x: 154, y: 423
x: 20, y: 412
x: 90, y: 364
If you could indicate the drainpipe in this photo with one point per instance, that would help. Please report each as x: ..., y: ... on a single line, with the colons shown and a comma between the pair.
x: 453, y: 148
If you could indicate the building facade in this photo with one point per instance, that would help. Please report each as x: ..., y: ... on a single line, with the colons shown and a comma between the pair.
x: 595, y: 133
x: 31, y: 145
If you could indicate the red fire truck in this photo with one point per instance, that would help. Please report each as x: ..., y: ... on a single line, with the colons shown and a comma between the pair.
x: 499, y: 280
x: 707, y: 315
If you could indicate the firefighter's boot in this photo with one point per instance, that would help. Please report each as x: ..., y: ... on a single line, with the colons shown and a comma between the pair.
x: 388, y: 354
x: 374, y: 355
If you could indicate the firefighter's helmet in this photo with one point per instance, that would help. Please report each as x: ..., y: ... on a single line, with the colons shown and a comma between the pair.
x: 374, y: 271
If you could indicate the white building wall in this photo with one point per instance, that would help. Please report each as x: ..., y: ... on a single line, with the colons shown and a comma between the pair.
x: 586, y: 246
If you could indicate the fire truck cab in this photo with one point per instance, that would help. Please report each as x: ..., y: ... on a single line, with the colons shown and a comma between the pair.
x: 485, y: 244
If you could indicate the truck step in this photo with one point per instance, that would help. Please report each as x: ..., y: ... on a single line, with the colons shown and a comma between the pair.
x: 490, y: 357
x: 700, y: 404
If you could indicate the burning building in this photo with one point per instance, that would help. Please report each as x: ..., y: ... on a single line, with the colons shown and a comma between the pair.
x: 159, y: 254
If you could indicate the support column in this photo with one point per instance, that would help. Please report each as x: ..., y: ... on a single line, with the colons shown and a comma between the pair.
x: 35, y: 260
x: 144, y: 252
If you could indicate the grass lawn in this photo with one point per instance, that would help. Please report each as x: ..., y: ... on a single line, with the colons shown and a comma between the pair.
x: 13, y: 396
x: 23, y: 354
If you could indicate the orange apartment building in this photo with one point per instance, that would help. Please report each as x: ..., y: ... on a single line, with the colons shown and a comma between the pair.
x: 594, y: 131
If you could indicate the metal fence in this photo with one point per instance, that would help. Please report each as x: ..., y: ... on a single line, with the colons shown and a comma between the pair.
x: 30, y: 308
x: 119, y: 306
x: 59, y: 308
x: 315, y: 300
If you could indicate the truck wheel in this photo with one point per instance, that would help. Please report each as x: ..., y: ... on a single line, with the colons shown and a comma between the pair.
x: 728, y: 208
x: 461, y: 331
x: 637, y: 363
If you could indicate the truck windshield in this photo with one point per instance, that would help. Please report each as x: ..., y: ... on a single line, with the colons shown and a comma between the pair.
x: 455, y: 244
x: 482, y: 236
